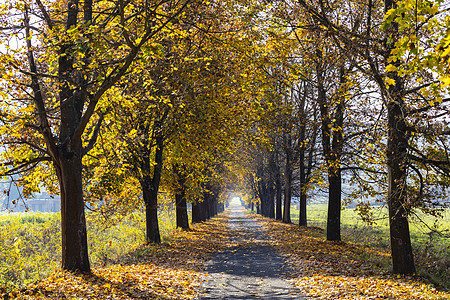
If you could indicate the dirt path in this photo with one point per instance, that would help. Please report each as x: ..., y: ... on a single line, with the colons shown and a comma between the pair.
x: 251, y: 269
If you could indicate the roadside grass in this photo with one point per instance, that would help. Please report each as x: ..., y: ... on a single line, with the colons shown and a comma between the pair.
x: 342, y: 270
x: 172, y: 270
x: 30, y: 243
x: 431, y: 250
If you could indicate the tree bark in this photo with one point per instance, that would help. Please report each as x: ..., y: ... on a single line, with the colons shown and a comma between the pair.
x: 396, y: 157
x: 73, y: 223
x: 334, y: 206
x: 278, y: 196
x: 402, y: 255
x: 150, y: 197
x: 221, y: 207
x: 287, y: 184
x: 271, y: 196
x: 263, y: 197
x: 180, y: 200
x: 331, y: 151
x: 206, y: 206
x: 196, y: 214
x: 334, y: 169
x: 151, y: 215
x: 150, y: 188
x: 69, y: 156
x: 181, y: 211
x: 302, y: 204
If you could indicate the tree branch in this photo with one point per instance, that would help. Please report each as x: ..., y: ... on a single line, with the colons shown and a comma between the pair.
x: 38, y: 98
x: 47, y: 18
x: 94, y: 136
x: 117, y: 73
x: 22, y: 165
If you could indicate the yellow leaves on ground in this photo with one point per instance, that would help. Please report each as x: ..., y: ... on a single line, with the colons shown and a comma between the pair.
x: 173, y: 270
x: 117, y: 282
x: 330, y: 270
x: 364, y: 287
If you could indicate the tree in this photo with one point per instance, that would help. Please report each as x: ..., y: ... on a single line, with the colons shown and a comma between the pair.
x: 403, y: 60
x: 81, y: 54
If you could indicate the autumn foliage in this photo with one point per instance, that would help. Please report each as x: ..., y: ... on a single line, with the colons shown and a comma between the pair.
x: 341, y: 270
x: 118, y: 106
x: 172, y: 270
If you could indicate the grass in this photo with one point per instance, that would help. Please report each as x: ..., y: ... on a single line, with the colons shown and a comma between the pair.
x: 171, y: 270
x: 30, y: 243
x: 431, y: 250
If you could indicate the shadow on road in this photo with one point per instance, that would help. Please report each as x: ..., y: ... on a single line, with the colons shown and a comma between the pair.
x: 250, y: 268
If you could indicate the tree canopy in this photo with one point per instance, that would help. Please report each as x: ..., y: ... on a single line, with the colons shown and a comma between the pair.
x: 110, y: 103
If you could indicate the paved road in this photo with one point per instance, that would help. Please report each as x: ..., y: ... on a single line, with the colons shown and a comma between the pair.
x: 251, y: 269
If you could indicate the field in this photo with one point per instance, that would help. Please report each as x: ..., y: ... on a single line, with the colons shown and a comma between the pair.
x: 432, y: 249
x: 30, y: 243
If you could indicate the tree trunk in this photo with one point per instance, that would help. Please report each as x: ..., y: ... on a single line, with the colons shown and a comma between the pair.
x: 402, y: 255
x: 331, y: 151
x: 334, y: 206
x: 279, y: 195
x: 302, y: 218
x: 68, y: 165
x: 150, y: 188
x: 212, y: 199
x: 221, y: 207
x: 196, y: 214
x: 73, y: 223
x: 206, y: 208
x: 215, y: 205
x: 271, y: 202
x: 181, y: 210
x: 334, y: 169
x: 151, y: 212
x: 263, y: 198
x: 180, y: 199
x: 287, y: 186
x: 203, y: 210
x: 396, y: 157
x: 303, y: 221
x: 302, y: 205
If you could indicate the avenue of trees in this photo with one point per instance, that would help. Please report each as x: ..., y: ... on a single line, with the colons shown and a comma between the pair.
x: 109, y: 103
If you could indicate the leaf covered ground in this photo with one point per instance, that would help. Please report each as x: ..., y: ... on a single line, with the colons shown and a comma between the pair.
x: 173, y: 270
x: 330, y: 270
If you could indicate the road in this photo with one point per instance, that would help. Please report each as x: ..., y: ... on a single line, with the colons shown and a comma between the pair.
x: 251, y: 268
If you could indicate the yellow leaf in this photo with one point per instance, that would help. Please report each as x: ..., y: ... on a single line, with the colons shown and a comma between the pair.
x: 445, y: 80
x: 390, y: 81
x: 390, y: 68
x: 446, y: 52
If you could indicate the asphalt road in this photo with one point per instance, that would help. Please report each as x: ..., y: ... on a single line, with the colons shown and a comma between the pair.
x: 251, y: 268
